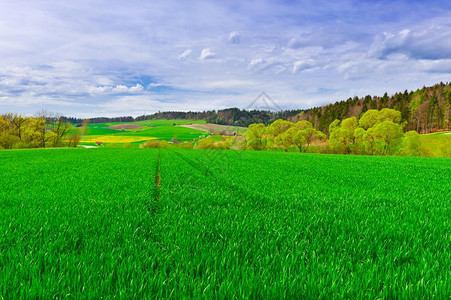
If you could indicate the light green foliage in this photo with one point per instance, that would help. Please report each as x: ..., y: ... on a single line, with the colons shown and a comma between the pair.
x: 284, y: 139
x: 360, y: 138
x: 387, y: 114
x: 369, y: 119
x: 377, y: 132
x: 256, y: 136
x: 276, y: 132
x: 216, y: 142
x: 388, y: 136
x: 411, y: 144
x: 303, y: 134
x: 334, y: 125
x: 91, y: 223
x: 278, y: 127
x: 155, y: 144
x: 373, y: 117
x: 342, y: 135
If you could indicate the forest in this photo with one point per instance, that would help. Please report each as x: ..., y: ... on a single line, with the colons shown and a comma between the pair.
x: 375, y: 133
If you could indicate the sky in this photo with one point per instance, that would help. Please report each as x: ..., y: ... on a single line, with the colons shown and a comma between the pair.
x: 129, y: 58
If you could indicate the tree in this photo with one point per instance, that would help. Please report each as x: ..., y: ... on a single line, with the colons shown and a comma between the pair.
x: 369, y: 119
x: 411, y: 144
x: 32, y: 132
x: 84, y: 128
x: 303, y: 133
x: 276, y: 130
x: 360, y: 137
x: 388, y: 114
x: 342, y: 135
x: 256, y: 136
x: 74, y: 139
x: 389, y: 136
x: 285, y: 139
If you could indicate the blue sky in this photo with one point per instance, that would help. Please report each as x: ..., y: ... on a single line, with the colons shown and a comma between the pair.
x: 112, y: 58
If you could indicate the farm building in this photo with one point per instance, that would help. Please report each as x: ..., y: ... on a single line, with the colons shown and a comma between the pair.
x: 174, y: 141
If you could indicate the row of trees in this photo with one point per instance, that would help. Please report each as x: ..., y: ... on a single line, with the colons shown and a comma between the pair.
x: 375, y: 133
x: 283, y: 134
x: 41, y: 131
x: 424, y: 110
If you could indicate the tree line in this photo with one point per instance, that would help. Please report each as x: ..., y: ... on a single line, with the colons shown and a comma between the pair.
x: 376, y: 132
x: 424, y: 110
x: 43, y: 130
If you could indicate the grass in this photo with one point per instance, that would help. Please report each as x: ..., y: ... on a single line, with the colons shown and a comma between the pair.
x: 227, y: 224
x: 151, y: 129
x: 437, y: 144
x: 74, y: 222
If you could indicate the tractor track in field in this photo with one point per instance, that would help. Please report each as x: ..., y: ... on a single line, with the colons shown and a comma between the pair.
x: 203, y: 168
x: 153, y: 205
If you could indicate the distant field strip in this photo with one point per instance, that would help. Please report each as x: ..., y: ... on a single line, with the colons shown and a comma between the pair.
x: 149, y: 223
x: 115, y: 139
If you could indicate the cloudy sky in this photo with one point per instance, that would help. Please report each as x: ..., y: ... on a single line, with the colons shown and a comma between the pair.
x: 113, y: 58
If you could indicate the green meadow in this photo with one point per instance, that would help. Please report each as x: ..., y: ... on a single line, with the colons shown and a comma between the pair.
x: 151, y: 223
x: 152, y: 129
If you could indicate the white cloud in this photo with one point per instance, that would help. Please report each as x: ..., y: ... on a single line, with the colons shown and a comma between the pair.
x: 185, y: 54
x: 136, y: 89
x: 263, y: 64
x: 153, y: 85
x: 100, y: 90
x: 120, y: 89
x: 207, y: 53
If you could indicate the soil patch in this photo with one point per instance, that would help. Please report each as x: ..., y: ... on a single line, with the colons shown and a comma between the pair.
x: 124, y: 126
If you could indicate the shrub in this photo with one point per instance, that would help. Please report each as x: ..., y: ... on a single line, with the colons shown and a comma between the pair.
x: 155, y: 144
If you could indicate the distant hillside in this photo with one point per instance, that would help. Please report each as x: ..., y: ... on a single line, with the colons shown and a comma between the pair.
x: 425, y: 110
x: 229, y: 116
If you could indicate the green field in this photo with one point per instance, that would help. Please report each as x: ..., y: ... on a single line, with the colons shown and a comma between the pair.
x: 152, y: 129
x: 93, y: 223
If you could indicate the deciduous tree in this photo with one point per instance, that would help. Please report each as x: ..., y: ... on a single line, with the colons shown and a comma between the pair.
x: 256, y: 136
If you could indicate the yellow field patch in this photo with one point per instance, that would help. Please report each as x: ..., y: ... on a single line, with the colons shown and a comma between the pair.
x: 115, y: 139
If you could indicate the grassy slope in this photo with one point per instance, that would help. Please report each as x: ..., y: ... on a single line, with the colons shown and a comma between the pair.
x: 215, y: 128
x: 228, y: 224
x: 163, y: 130
x: 437, y: 144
